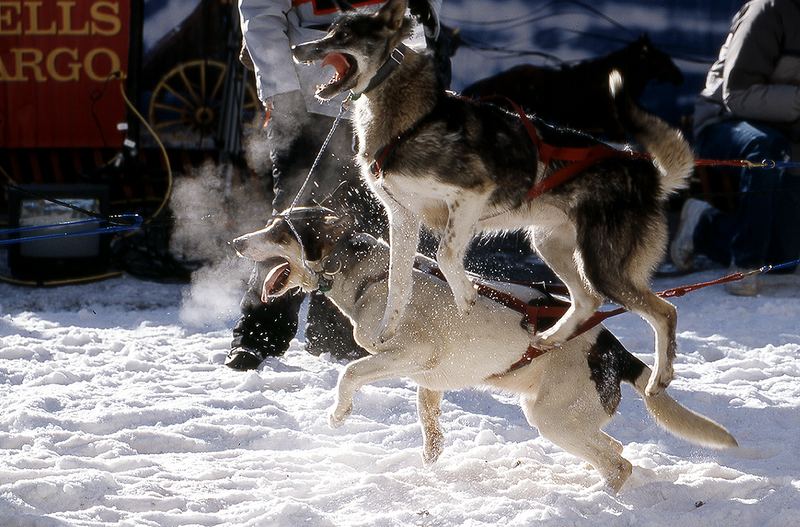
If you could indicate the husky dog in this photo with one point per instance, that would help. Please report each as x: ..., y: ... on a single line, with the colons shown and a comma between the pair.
x: 569, y: 394
x: 462, y: 167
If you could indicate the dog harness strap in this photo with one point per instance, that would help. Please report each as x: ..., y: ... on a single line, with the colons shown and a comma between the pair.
x: 588, y: 157
x: 384, y: 153
x: 545, y: 150
x: 682, y: 290
x: 537, y: 312
x: 531, y: 313
x: 382, y: 156
x: 599, y: 316
x: 580, y: 158
x: 501, y: 297
x: 531, y: 353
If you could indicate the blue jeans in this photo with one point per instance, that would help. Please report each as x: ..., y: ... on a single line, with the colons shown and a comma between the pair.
x: 765, y: 227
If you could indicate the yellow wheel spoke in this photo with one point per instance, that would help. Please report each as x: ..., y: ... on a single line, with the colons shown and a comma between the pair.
x: 218, y: 85
x: 203, y: 83
x: 189, y: 104
x: 168, y: 107
x: 167, y: 124
x: 190, y: 86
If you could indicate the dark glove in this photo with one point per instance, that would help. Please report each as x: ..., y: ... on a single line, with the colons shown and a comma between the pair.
x: 287, y: 116
x: 427, y: 16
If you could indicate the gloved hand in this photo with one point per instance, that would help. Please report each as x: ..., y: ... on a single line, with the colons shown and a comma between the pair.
x: 426, y: 14
x: 286, y: 108
x: 287, y: 117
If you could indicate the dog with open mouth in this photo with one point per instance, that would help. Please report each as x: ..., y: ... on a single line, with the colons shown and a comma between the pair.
x: 569, y: 394
x: 463, y: 167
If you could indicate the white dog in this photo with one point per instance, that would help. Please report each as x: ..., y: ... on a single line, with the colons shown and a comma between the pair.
x: 569, y: 394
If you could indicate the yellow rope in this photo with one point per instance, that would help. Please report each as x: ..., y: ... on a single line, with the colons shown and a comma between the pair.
x: 7, y: 176
x: 132, y: 108
x: 64, y: 281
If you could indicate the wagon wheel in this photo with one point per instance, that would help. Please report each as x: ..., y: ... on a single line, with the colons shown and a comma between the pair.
x: 185, y: 105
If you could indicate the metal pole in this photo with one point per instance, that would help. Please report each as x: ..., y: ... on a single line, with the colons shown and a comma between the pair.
x: 229, y: 134
x: 135, y: 53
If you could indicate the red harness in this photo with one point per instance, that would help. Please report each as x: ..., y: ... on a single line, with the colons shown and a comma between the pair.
x: 533, y: 314
x: 579, y: 158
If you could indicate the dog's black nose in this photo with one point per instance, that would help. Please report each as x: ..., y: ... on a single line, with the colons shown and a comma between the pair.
x: 239, y: 244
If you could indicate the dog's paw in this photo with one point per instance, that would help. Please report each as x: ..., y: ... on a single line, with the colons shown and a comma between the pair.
x: 618, y: 475
x: 338, y: 414
x: 545, y: 340
x: 465, y: 298
x: 659, y: 380
x: 387, y: 329
x: 432, y: 449
x: 383, y: 334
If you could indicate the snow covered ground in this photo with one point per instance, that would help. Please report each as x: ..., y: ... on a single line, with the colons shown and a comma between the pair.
x: 116, y: 411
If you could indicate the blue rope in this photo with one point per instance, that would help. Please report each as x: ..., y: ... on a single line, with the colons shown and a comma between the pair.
x: 777, y: 267
x: 117, y: 223
x: 768, y: 163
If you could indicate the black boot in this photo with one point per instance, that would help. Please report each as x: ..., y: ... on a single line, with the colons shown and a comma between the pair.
x: 263, y: 331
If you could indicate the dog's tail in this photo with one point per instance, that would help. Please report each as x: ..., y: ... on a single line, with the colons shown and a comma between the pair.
x: 671, y: 415
x: 671, y: 153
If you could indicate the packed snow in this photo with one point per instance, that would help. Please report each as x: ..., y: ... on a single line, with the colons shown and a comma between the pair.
x: 117, y: 410
x: 116, y: 407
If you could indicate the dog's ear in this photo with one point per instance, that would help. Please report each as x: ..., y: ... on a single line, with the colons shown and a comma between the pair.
x: 321, y: 236
x: 393, y: 13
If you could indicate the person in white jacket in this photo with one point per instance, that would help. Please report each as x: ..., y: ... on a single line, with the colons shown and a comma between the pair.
x: 296, y: 127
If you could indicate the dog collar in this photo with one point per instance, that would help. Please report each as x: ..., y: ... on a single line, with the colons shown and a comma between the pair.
x: 396, y: 57
x: 383, y: 155
x: 331, y: 266
x: 326, y: 276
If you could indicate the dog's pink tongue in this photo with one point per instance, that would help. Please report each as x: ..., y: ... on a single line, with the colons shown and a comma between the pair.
x: 339, y: 63
x: 276, y: 280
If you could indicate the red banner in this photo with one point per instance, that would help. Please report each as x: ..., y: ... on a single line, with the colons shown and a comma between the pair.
x: 57, y: 63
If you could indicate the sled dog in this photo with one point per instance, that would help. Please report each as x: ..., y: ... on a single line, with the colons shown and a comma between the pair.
x: 569, y: 394
x: 463, y: 167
